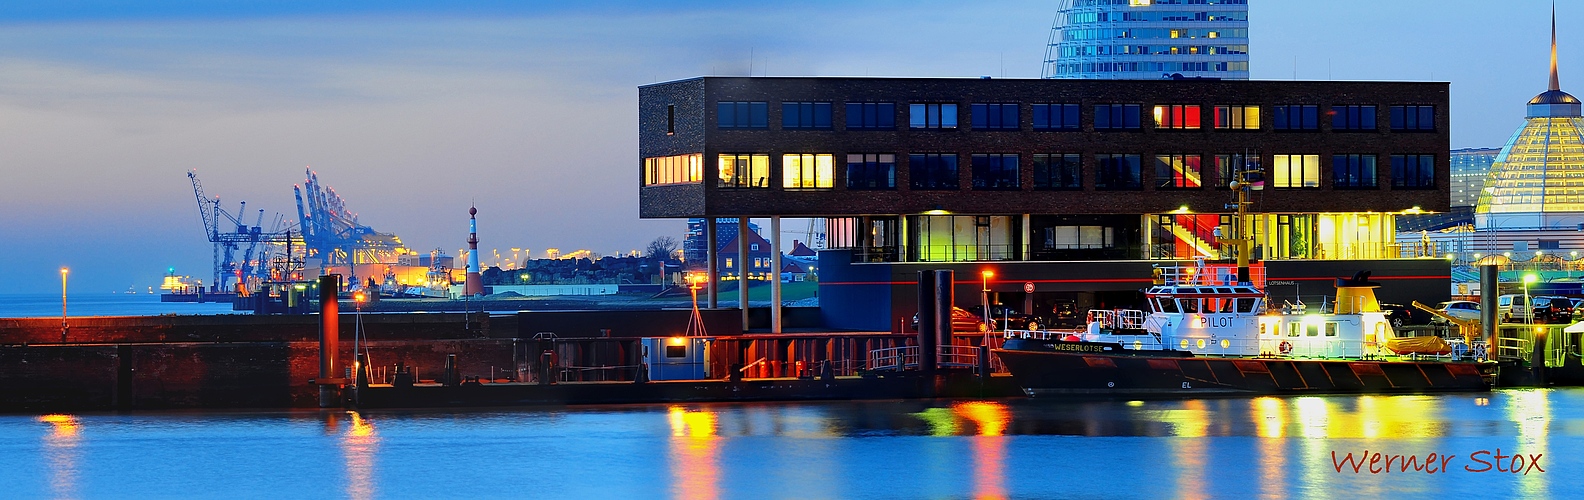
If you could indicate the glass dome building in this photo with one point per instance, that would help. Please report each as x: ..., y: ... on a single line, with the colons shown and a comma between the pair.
x: 1148, y: 39
x: 1537, y: 180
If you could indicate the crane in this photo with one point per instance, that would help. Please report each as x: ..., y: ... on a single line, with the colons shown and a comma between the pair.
x: 226, y: 243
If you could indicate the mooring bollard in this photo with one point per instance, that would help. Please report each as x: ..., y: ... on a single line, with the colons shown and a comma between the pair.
x: 329, y: 341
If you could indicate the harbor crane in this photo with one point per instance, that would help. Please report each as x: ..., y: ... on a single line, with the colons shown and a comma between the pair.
x: 235, y: 234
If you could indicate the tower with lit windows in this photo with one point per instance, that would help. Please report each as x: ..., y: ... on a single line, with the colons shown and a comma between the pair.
x: 1148, y: 39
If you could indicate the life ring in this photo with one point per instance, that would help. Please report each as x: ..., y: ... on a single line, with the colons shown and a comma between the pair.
x: 1285, y: 347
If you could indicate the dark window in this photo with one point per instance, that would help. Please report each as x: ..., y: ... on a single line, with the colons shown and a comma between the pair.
x: 1295, y: 117
x: 1413, y: 117
x: 1056, y: 117
x: 871, y: 116
x: 670, y: 119
x: 1058, y: 171
x: 676, y: 351
x: 806, y: 115
x: 1118, y: 172
x: 742, y: 114
x: 932, y: 116
x: 1353, y: 172
x: 994, y: 116
x: 1177, y: 116
x: 1116, y: 116
x: 1413, y: 171
x: 1229, y: 166
x: 1549, y: 244
x: 1353, y: 118
x: 1178, y: 172
x: 871, y: 171
x: 933, y: 171
x: 995, y: 171
x: 1237, y: 117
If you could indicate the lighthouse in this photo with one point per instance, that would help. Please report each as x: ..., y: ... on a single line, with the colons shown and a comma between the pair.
x: 473, y: 284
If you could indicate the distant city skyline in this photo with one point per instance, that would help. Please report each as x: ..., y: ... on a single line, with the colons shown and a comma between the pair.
x: 413, y: 111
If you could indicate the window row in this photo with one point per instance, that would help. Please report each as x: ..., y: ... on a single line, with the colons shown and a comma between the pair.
x: 1065, y: 116
x: 1055, y: 171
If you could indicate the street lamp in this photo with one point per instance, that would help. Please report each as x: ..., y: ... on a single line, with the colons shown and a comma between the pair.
x: 64, y: 271
x: 984, y: 297
x: 1529, y: 309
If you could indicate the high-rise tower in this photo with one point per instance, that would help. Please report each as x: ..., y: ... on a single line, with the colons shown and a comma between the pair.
x: 473, y: 283
x: 1148, y: 39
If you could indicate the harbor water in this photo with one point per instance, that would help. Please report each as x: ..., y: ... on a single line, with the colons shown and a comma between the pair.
x: 101, y: 304
x: 1268, y: 447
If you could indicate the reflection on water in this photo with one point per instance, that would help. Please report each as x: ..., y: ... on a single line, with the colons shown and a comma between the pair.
x: 1269, y: 447
x: 694, y: 454
x: 60, y: 452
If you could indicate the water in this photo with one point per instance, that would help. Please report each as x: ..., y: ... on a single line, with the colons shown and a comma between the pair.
x: 1220, y: 448
x: 101, y: 304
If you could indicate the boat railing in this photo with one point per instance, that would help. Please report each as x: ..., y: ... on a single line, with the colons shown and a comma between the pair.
x: 1118, y: 319
x: 958, y: 356
x: 1206, y: 274
x: 1042, y: 334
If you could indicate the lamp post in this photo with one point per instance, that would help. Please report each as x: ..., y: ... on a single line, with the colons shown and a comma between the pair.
x: 984, y: 299
x: 1529, y: 308
x: 358, y: 298
x: 64, y: 271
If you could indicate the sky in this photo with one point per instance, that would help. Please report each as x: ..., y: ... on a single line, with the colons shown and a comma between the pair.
x: 413, y: 110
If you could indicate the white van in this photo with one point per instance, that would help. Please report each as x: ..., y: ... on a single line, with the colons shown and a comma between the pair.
x: 1513, y: 308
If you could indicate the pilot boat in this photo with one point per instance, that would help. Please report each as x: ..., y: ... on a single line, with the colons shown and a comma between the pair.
x: 1208, y: 332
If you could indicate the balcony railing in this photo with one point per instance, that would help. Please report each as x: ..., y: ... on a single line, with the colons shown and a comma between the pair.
x: 1161, y: 252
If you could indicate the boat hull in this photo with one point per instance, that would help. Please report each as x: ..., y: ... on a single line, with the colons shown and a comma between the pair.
x: 1064, y: 369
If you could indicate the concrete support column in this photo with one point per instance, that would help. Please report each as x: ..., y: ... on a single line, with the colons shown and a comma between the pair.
x: 1028, y: 244
x: 742, y: 269
x: 712, y: 268
x: 775, y: 274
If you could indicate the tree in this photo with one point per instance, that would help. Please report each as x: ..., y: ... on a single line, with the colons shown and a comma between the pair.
x: 662, y: 247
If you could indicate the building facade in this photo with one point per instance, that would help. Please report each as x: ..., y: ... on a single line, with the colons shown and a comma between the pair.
x: 1470, y: 167
x: 1149, y: 39
x: 1072, y: 188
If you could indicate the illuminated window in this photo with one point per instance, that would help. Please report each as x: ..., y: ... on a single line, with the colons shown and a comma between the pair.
x: 1237, y: 117
x: 742, y: 115
x: 932, y: 116
x: 1228, y: 168
x: 806, y: 115
x: 1056, y: 117
x: 871, y: 116
x: 1295, y: 117
x: 1058, y: 171
x: 744, y: 170
x: 871, y: 171
x: 1178, y: 172
x: 1117, y: 116
x: 1353, y: 172
x: 1410, y: 118
x: 808, y: 171
x: 728, y: 262
x: 678, y: 169
x: 1118, y: 172
x: 994, y: 116
x: 1353, y: 118
x: 933, y: 171
x: 1296, y: 171
x: 1177, y: 116
x: 1413, y: 171
x: 995, y: 171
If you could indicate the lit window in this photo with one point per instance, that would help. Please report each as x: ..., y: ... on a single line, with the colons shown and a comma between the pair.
x: 678, y: 169
x: 808, y: 171
x: 1413, y: 171
x: 1353, y: 118
x: 1409, y: 118
x: 728, y: 262
x: 742, y: 114
x: 1296, y: 171
x: 1237, y: 117
x: 1058, y: 171
x: 1353, y: 172
x: 744, y: 170
x: 933, y: 171
x: 932, y: 116
x: 1178, y: 172
x: 995, y: 171
x: 871, y: 171
x: 994, y: 116
x: 1177, y: 116
x: 806, y: 115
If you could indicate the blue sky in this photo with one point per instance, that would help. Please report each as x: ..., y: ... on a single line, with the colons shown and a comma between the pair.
x: 412, y: 110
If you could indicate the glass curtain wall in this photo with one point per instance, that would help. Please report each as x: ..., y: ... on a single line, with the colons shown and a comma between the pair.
x: 961, y: 238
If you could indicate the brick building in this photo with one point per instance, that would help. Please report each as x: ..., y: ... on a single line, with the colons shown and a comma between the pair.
x: 1075, y: 187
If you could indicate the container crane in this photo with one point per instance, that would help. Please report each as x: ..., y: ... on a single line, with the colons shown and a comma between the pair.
x: 226, y: 243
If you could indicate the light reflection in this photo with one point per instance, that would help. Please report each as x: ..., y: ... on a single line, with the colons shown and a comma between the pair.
x: 1271, y: 424
x: 990, y: 421
x: 1531, y: 410
x: 695, y: 454
x: 60, y: 451
x: 942, y: 421
x: 360, y: 446
x: 1189, y: 425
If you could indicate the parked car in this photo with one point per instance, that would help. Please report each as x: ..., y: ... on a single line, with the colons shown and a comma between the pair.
x: 1006, y: 318
x: 1460, y: 309
x: 1512, y: 309
x: 962, y: 321
x: 1552, y: 309
x: 1397, y: 314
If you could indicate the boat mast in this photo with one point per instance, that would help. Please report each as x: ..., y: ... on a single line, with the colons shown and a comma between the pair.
x: 1240, y: 238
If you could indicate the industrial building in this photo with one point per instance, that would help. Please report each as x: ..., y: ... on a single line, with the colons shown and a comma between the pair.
x: 1071, y: 189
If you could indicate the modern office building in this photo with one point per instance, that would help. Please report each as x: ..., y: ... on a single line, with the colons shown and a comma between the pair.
x: 1149, y: 40
x: 1470, y: 167
x: 1073, y: 189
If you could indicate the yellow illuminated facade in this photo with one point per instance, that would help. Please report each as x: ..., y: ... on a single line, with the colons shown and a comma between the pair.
x: 1537, y: 181
x: 808, y: 171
